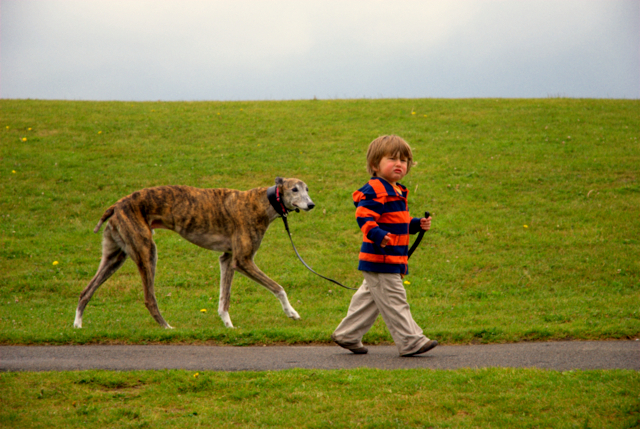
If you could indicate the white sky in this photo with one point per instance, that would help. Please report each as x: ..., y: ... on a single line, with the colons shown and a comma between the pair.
x: 298, y: 49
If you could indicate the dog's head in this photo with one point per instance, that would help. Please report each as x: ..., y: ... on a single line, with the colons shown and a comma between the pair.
x: 295, y: 194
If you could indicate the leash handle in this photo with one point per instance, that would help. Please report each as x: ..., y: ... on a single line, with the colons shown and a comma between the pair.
x: 419, y: 239
x: 286, y: 226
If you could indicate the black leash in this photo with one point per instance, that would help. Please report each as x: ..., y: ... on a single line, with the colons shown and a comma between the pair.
x: 419, y: 239
x: 286, y: 226
x: 273, y: 193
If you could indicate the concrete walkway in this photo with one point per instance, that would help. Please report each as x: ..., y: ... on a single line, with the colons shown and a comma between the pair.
x: 561, y: 356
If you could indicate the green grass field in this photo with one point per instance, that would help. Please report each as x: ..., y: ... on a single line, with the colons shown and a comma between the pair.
x: 535, y: 237
x: 367, y: 398
x: 535, y: 206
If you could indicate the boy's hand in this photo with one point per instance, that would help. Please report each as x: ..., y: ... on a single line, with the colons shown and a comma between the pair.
x: 425, y: 223
x: 385, y: 240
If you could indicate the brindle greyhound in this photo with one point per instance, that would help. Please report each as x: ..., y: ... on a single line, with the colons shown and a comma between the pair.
x: 224, y: 220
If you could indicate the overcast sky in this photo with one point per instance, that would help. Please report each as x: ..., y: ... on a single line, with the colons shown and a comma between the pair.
x: 300, y: 49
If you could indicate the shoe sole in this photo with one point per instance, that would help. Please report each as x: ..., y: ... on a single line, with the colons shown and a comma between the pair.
x: 359, y: 351
x: 433, y: 345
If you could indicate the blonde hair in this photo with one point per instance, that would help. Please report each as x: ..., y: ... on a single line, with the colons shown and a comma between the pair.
x: 388, y: 146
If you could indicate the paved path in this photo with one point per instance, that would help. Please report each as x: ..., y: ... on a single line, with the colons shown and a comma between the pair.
x: 560, y: 356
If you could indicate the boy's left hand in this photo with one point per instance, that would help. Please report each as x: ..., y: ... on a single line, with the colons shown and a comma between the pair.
x: 425, y: 223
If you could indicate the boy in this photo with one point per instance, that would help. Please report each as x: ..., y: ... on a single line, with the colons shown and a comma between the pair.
x: 383, y: 217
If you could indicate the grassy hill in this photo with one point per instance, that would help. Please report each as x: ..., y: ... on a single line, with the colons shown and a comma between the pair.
x: 535, y: 206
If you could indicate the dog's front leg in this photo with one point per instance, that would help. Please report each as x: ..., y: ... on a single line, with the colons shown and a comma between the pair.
x: 286, y: 306
x: 251, y: 270
x: 226, y: 277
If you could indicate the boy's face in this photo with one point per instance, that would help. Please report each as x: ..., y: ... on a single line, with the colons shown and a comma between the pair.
x: 392, y: 168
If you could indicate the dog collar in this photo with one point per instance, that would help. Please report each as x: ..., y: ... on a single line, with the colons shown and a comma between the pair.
x: 273, y: 193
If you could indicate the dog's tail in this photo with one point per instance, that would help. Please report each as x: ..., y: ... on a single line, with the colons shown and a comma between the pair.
x: 107, y: 214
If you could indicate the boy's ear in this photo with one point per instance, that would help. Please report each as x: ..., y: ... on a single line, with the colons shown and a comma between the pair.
x: 279, y: 181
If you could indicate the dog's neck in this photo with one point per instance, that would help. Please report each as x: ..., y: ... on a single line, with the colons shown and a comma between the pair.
x: 271, y: 214
x: 275, y: 200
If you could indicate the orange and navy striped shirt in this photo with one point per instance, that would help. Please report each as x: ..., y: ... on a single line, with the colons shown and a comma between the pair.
x: 380, y: 210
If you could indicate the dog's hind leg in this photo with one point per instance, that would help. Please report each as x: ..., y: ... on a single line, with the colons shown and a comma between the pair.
x: 112, y: 259
x: 145, y: 257
x: 247, y: 267
x: 137, y: 239
x: 226, y: 277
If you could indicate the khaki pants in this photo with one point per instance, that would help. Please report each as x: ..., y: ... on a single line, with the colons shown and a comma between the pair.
x: 384, y: 294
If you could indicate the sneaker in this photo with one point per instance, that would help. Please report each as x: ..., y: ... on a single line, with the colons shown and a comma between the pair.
x: 357, y: 351
x: 428, y: 346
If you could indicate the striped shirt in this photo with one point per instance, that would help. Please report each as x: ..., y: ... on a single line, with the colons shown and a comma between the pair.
x: 380, y: 210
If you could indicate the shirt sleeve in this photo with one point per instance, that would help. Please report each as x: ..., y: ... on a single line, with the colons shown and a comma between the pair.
x: 414, y: 226
x: 368, y: 212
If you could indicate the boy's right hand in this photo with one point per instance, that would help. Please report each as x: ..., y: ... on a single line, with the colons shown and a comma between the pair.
x: 385, y: 240
x: 425, y: 223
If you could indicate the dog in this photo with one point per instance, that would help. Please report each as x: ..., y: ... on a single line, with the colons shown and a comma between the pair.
x: 225, y: 220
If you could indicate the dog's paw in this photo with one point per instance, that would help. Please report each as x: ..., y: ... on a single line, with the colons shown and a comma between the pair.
x: 293, y: 314
x: 168, y: 327
x: 224, y: 315
x: 77, y: 323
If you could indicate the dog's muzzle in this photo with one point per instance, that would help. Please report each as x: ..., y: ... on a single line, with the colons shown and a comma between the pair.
x: 310, y: 206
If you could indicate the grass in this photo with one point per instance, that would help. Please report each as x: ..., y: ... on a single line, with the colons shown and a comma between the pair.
x: 535, y: 233
x: 503, y: 398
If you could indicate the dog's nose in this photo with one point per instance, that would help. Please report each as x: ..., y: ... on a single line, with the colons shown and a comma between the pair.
x: 310, y: 206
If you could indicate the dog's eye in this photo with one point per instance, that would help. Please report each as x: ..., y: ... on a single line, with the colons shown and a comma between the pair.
x: 307, y: 189
x: 294, y: 190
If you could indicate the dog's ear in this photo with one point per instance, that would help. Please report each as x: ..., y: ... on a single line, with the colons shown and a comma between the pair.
x: 279, y: 181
